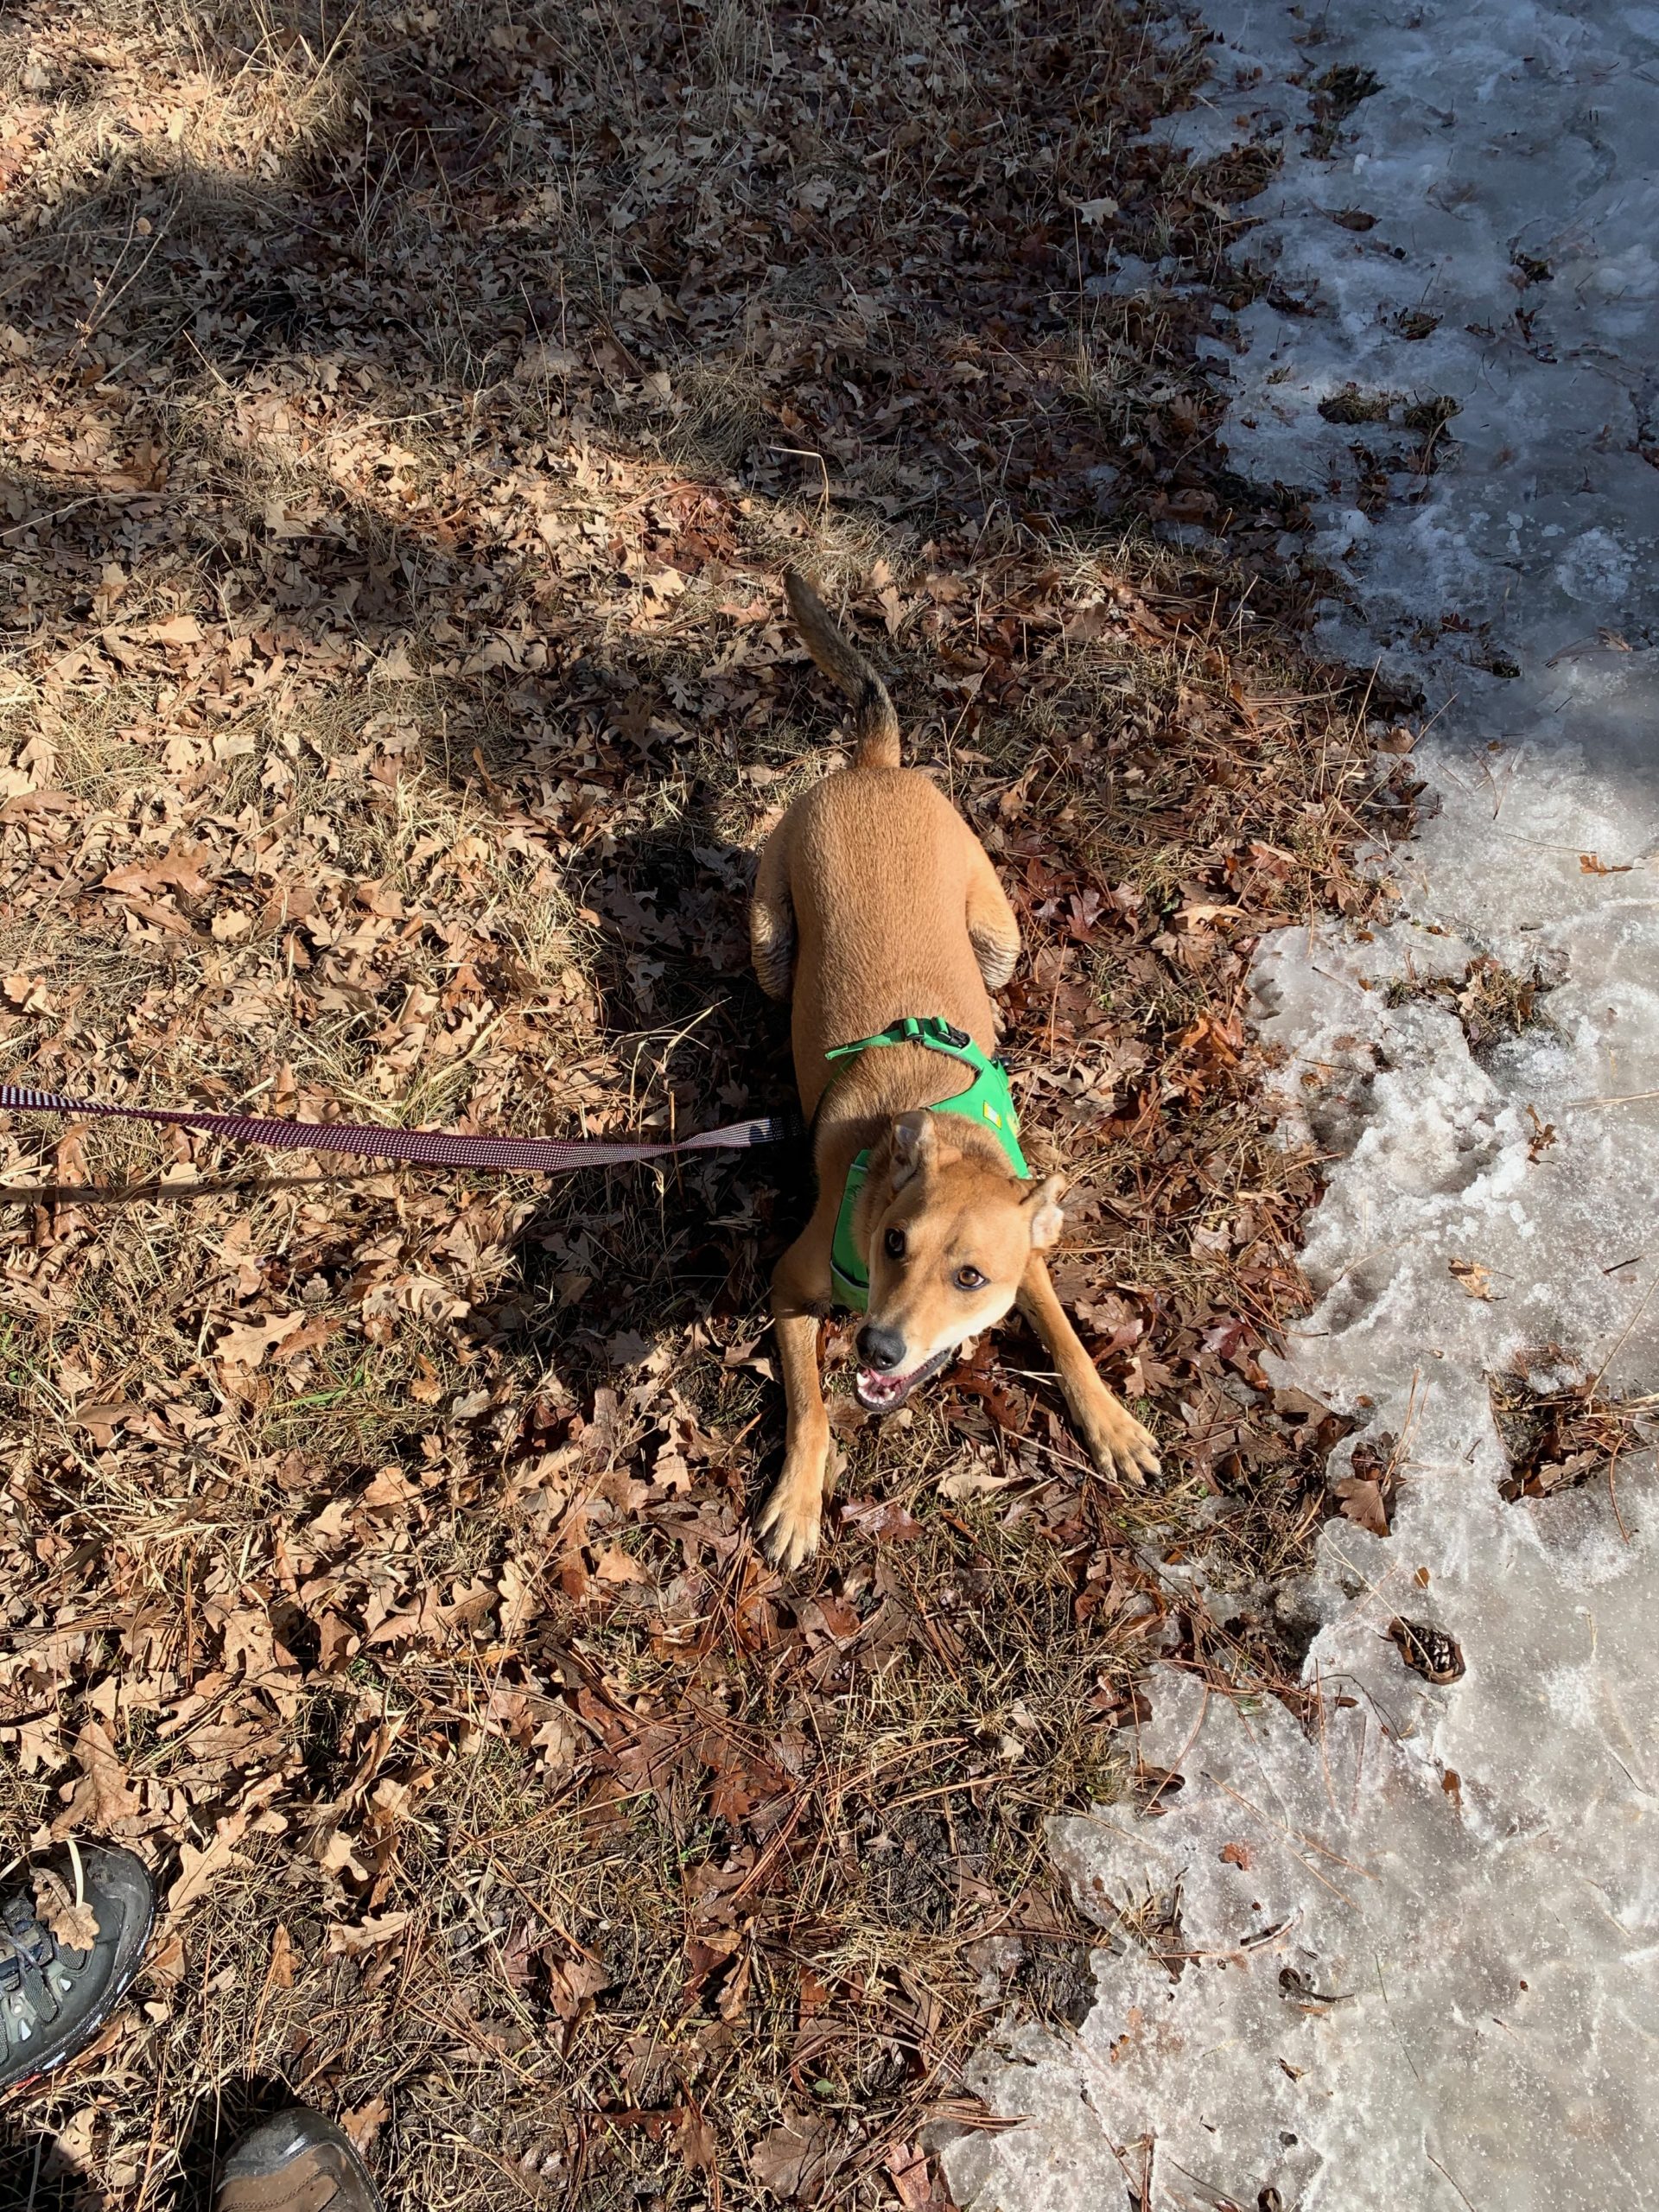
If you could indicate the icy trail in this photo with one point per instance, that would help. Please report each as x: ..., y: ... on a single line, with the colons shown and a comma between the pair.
x: 1460, y: 2005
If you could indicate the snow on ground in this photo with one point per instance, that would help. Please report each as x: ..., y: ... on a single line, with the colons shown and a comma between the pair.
x: 1422, y: 1935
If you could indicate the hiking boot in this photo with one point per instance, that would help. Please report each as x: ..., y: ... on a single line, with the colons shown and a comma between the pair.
x: 72, y: 1937
x: 298, y: 2162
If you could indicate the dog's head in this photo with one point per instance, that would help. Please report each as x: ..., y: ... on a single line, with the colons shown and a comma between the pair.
x: 953, y: 1231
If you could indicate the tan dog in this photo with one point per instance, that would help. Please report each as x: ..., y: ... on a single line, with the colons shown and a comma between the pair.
x: 874, y: 902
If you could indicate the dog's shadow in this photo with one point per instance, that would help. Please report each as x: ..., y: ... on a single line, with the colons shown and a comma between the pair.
x: 613, y: 1262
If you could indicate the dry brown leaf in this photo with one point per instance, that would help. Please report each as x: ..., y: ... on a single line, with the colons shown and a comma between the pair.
x: 364, y: 2122
x: 24, y: 994
x: 295, y: 1342
x: 166, y: 1968
x: 246, y: 1344
x: 108, y: 1417
x: 176, y: 870
x: 1085, y: 624
x: 280, y: 1971
x: 55, y: 1905
x: 698, y: 2144
x: 792, y: 2160
x: 911, y: 2182
x: 390, y: 1486
x: 882, y: 1519
x: 972, y: 1482
x: 368, y: 1934
x: 103, y: 1800
x: 615, y: 1565
x: 339, y: 1642
x: 519, y: 1598
x: 336, y: 1853
x: 200, y: 1870
x: 1362, y: 1502
x: 571, y: 1982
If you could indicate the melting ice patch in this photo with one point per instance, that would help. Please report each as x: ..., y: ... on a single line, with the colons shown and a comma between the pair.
x: 1406, y: 1955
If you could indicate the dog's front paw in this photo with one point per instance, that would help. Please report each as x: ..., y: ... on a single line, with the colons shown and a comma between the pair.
x: 788, y: 1524
x: 1119, y: 1446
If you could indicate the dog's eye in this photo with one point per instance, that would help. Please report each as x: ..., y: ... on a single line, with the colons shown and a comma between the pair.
x: 969, y: 1279
x: 894, y: 1241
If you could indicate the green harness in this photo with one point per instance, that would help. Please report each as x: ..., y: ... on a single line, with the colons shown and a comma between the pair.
x: 986, y: 1099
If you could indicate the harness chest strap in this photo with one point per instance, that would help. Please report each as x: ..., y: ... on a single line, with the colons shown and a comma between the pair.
x: 987, y: 1100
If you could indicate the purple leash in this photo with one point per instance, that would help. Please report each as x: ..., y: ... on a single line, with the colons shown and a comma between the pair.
x: 432, y: 1147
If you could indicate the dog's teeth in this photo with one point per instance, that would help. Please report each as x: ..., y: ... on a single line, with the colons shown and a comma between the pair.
x: 880, y: 1390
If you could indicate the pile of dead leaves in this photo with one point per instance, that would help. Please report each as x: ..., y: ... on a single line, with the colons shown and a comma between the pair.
x: 409, y: 414
x: 1557, y: 1437
x: 1492, y: 1003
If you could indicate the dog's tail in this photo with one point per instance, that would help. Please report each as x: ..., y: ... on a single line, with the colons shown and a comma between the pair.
x: 876, y: 727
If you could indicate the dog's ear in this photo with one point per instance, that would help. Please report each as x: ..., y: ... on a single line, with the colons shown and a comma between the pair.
x: 1042, y: 1210
x: 915, y: 1146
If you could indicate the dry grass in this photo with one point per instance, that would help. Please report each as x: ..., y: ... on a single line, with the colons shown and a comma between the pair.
x: 412, y: 410
x: 1492, y: 1003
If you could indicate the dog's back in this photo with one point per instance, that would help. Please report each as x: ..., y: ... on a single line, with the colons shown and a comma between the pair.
x: 872, y: 873
x: 879, y: 875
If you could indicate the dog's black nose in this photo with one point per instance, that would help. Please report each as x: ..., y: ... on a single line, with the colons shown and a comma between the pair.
x: 881, y: 1349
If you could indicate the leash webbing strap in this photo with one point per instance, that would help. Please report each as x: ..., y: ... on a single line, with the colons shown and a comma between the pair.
x: 431, y: 1148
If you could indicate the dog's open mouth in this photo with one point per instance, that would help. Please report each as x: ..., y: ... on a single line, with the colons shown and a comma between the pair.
x: 879, y: 1394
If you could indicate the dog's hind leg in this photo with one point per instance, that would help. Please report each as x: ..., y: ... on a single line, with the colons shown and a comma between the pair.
x: 1115, y: 1440
x: 772, y: 918
x: 788, y: 1524
x: 992, y: 928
